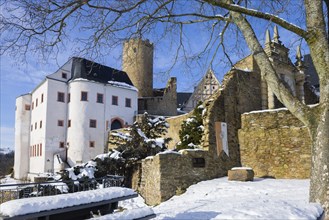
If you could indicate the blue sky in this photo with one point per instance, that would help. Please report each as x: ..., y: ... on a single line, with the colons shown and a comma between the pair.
x: 21, y: 77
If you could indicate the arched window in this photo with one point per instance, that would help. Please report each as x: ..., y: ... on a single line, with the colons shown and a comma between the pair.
x: 116, y: 124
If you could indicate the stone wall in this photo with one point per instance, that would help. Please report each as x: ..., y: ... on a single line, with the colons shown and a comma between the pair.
x: 167, y: 174
x: 275, y: 144
x: 174, y: 127
x: 165, y: 105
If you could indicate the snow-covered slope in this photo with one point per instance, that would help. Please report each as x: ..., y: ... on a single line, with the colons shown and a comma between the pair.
x: 223, y: 199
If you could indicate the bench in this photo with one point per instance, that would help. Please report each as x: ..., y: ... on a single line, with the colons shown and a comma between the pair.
x: 67, y: 206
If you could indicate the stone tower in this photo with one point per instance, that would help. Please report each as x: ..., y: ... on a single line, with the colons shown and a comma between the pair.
x: 293, y: 76
x: 137, y: 62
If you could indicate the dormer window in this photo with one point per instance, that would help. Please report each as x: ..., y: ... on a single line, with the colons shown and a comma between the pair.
x: 64, y: 75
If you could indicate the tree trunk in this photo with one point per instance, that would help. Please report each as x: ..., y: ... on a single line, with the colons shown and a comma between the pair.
x: 319, y: 188
x: 316, y: 118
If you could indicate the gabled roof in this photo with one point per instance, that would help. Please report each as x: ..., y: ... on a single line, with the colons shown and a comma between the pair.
x: 86, y: 69
x: 205, y: 88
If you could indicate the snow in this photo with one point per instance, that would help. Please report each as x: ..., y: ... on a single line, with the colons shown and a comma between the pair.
x: 39, y: 204
x: 212, y: 199
x: 116, y: 155
x: 128, y: 214
x: 170, y: 152
x: 223, y: 199
x: 122, y: 85
x: 241, y: 168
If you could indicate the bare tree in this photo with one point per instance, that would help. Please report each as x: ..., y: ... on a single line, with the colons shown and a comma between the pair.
x: 45, y: 26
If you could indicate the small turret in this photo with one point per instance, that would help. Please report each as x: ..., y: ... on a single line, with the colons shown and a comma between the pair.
x: 276, y: 35
x: 267, y: 37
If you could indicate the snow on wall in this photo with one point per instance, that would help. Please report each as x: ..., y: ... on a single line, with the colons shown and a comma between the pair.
x: 39, y: 204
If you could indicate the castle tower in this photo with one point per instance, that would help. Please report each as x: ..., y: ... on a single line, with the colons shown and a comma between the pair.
x: 279, y: 56
x: 137, y: 62
x: 22, y: 136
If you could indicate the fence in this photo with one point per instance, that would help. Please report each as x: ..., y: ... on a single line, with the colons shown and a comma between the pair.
x: 25, y: 190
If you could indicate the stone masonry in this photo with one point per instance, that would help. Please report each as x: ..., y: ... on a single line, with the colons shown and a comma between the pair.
x: 275, y: 144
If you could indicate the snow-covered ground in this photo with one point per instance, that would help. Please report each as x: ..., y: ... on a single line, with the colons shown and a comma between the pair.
x: 212, y: 199
x: 223, y: 199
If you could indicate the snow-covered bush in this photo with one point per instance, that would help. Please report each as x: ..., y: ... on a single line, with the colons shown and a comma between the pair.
x: 191, y: 130
x: 143, y: 139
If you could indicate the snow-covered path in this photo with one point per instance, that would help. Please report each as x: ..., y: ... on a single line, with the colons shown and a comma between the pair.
x: 223, y: 199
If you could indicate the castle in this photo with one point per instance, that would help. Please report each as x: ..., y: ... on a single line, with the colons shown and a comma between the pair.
x: 65, y: 120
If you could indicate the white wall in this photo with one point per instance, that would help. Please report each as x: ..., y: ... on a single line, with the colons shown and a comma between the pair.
x: 81, y: 112
x: 55, y: 111
x: 22, y: 135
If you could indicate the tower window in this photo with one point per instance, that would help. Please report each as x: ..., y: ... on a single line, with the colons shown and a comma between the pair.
x: 36, y: 103
x: 92, y: 123
x: 42, y: 98
x: 27, y: 107
x: 91, y: 143
x: 60, y: 123
x: 35, y: 125
x: 84, y: 96
x: 128, y: 102
x: 68, y: 97
x: 114, y: 100
x: 40, y: 124
x: 61, y: 144
x: 60, y: 97
x: 100, y: 98
x: 69, y: 123
x: 64, y: 75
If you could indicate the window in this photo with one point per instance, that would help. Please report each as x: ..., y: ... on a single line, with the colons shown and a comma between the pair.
x: 60, y: 97
x: 128, y: 102
x: 42, y: 98
x: 114, y: 100
x: 198, y: 162
x: 27, y: 107
x: 84, y: 96
x: 61, y: 144
x: 64, y: 75
x: 69, y: 123
x: 36, y: 103
x: 60, y: 123
x: 31, y: 127
x: 92, y: 123
x: 91, y: 143
x: 40, y: 149
x: 68, y: 97
x: 35, y: 125
x: 33, y: 150
x: 107, y: 124
x: 40, y: 124
x: 37, y: 149
x: 100, y: 98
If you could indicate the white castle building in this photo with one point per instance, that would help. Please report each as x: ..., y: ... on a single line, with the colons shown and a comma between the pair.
x: 65, y: 119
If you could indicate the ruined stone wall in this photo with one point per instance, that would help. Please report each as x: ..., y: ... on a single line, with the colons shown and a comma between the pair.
x: 162, y: 105
x: 275, y: 144
x: 174, y: 127
x: 167, y: 174
x: 240, y: 92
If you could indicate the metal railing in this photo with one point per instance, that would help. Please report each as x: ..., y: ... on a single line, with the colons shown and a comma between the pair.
x: 25, y: 190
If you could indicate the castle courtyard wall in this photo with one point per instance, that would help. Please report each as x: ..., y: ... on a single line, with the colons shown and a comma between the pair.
x: 275, y: 144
